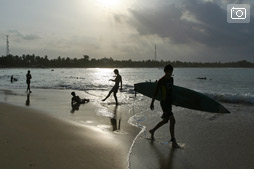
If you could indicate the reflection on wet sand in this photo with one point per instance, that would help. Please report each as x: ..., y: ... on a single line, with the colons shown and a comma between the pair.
x: 75, y: 107
x: 116, y: 119
x: 165, y: 162
x: 174, y: 159
x: 28, y: 99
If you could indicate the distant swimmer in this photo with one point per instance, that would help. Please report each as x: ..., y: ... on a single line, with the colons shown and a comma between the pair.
x: 202, y: 78
x: 28, y: 81
x: 13, y: 79
x: 165, y: 85
x: 77, y: 100
x: 115, y: 88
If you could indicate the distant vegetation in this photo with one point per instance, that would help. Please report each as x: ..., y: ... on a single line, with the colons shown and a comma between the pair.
x: 33, y: 61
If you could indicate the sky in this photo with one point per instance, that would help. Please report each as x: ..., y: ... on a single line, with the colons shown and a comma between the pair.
x: 184, y: 30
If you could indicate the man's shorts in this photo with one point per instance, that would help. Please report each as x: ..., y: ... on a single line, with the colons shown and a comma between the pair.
x: 167, y: 109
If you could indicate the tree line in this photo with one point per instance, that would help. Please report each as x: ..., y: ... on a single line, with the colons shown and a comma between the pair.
x: 32, y: 61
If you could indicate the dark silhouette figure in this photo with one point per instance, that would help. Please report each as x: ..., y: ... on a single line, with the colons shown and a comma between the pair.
x: 13, y: 79
x: 75, y: 107
x: 28, y: 99
x: 115, y: 88
x: 201, y: 78
x: 28, y: 81
x: 165, y: 84
x: 76, y: 101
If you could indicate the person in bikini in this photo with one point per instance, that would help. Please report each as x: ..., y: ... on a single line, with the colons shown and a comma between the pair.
x: 28, y: 81
x: 115, y: 88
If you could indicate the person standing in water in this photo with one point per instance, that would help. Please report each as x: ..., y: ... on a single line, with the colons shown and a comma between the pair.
x: 28, y: 81
x: 115, y: 88
x: 165, y: 85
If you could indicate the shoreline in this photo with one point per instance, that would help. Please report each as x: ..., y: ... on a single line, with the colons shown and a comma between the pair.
x: 33, y: 139
x: 84, y: 132
x: 87, y: 138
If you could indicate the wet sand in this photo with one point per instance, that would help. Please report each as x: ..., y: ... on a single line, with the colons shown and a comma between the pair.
x: 210, y: 141
x: 29, y: 139
x: 45, y: 134
x: 57, y: 138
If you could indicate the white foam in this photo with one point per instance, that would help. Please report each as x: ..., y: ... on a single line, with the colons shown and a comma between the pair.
x: 232, y: 97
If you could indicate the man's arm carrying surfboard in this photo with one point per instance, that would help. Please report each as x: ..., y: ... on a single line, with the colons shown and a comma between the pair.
x: 154, y: 96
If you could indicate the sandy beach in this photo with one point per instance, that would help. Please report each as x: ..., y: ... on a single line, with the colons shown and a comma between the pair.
x: 31, y: 138
x: 46, y: 134
x: 210, y: 141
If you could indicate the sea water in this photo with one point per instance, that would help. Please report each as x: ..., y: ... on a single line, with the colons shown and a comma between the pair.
x: 230, y: 85
x: 226, y: 85
x: 233, y: 87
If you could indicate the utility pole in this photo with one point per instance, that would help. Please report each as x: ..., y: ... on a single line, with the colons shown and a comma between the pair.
x: 155, y: 53
x: 7, y: 46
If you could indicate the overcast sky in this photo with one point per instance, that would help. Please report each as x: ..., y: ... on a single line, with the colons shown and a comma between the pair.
x: 185, y: 30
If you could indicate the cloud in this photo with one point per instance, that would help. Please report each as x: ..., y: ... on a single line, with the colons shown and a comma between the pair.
x: 195, y: 23
x: 217, y: 31
x: 19, y: 35
x: 209, y: 28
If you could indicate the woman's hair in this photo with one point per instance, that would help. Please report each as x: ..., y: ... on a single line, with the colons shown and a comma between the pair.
x: 116, y: 71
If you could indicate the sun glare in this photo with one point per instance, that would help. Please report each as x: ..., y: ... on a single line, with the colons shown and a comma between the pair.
x: 110, y: 3
x: 115, y: 5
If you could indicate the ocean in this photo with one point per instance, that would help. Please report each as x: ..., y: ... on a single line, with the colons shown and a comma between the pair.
x: 229, y: 85
x: 232, y: 87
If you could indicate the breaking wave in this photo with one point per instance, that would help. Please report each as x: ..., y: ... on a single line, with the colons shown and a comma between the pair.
x: 232, y: 98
